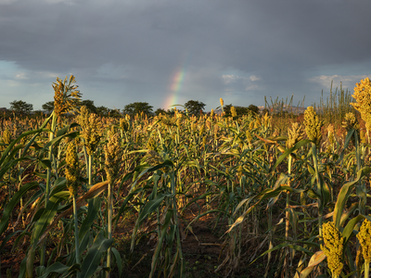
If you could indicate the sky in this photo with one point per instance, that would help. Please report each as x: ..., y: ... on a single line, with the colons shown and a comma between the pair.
x: 170, y: 52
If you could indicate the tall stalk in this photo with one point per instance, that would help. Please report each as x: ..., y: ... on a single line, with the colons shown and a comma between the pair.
x: 287, y: 216
x: 50, y: 157
x: 319, y: 186
x: 48, y: 178
x: 109, y: 224
x: 113, y: 155
x: 89, y: 171
x: 72, y: 175
x: 76, y: 230
x: 313, y: 126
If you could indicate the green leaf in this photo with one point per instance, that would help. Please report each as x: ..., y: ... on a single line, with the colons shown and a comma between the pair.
x: 150, y: 207
x: 157, y: 251
x: 72, y: 134
x: 48, y: 214
x: 285, y: 245
x: 14, y: 201
x: 346, y: 142
x: 93, y: 258
x: 46, y: 163
x: 118, y: 260
x: 343, y: 196
x: 6, y: 153
x: 59, y: 268
x: 348, y: 230
x: 93, y: 209
x: 298, y: 145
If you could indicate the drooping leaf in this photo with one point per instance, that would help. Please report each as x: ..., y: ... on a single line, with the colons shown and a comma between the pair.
x: 315, y: 260
x: 61, y: 269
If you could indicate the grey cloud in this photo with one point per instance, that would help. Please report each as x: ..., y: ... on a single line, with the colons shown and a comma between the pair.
x: 135, y: 46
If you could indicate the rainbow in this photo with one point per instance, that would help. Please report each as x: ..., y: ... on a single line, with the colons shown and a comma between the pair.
x: 174, y: 88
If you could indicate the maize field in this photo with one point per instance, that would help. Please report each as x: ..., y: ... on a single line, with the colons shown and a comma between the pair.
x: 261, y: 195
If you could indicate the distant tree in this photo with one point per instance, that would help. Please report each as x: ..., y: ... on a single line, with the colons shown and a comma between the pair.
x: 21, y: 107
x: 194, y: 107
x: 89, y: 105
x: 114, y: 113
x: 102, y: 111
x: 170, y: 112
x: 240, y: 110
x: 48, y: 107
x: 138, y: 107
x: 227, y: 110
x: 253, y: 109
x: 160, y: 111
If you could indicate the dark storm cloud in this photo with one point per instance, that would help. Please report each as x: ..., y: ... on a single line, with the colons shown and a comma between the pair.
x: 134, y: 47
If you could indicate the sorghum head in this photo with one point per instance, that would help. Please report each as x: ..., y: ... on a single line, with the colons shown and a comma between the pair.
x: 362, y: 95
x: 296, y: 133
x: 233, y: 111
x: 123, y: 124
x: 72, y: 168
x: 113, y: 157
x: 350, y: 121
x: 332, y: 247
x: 6, y: 136
x: 91, y: 129
x: 66, y: 95
x: 313, y: 125
x: 364, y: 237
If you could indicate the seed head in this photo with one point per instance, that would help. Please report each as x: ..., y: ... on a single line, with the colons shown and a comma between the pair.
x: 192, y: 126
x: 362, y: 95
x: 72, y: 169
x: 249, y: 137
x: 350, y: 121
x: 66, y: 95
x: 216, y: 129
x: 364, y: 237
x: 296, y: 133
x: 221, y: 101
x: 204, y: 141
x: 202, y: 128
x: 113, y: 155
x: 331, y: 137
x: 333, y: 247
x: 233, y: 111
x: 313, y: 125
x: 266, y: 119
x: 6, y: 136
x: 91, y: 129
x: 123, y: 124
x: 331, y: 129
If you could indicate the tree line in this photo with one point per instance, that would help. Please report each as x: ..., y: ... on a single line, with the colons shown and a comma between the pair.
x: 192, y: 107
